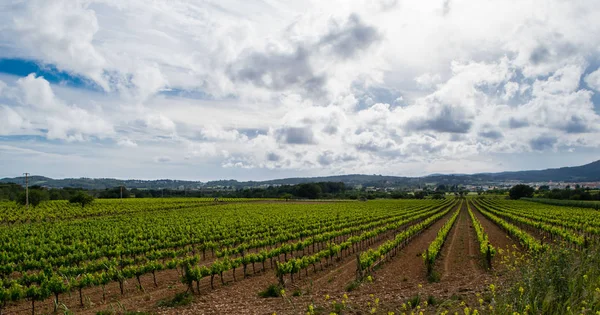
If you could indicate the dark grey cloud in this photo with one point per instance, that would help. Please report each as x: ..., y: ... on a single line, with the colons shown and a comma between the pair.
x: 576, y: 125
x: 278, y: 71
x: 326, y: 158
x: 281, y: 70
x: 554, y: 48
x: 491, y: 134
x: 273, y: 157
x: 330, y: 129
x: 542, y: 142
x: 539, y: 55
x: 424, y: 148
x: 515, y: 123
x: 296, y: 135
x: 448, y: 119
x: 252, y: 132
x: 371, y: 146
x: 457, y: 137
x: 353, y: 37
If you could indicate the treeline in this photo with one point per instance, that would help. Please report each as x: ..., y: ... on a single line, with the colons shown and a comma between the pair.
x: 14, y: 192
x: 321, y: 190
x: 577, y: 193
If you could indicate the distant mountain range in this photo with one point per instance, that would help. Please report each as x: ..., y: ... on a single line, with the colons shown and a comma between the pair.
x: 585, y: 173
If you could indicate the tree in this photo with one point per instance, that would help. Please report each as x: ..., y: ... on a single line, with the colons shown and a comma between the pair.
x: 81, y: 198
x: 438, y: 196
x: 544, y: 188
x: 114, y: 193
x: 419, y: 194
x: 520, y: 191
x: 287, y: 196
x: 35, y: 197
x: 10, y: 191
x: 310, y: 191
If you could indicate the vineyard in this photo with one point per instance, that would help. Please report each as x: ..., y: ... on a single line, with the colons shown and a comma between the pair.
x: 132, y: 254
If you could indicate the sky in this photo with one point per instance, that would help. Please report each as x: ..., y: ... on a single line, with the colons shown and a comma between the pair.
x: 255, y: 90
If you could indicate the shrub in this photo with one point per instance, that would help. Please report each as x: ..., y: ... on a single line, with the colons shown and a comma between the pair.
x: 272, y: 291
x: 180, y: 299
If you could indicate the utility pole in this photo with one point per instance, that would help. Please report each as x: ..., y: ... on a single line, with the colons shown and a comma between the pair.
x: 26, y: 189
x: 121, y: 193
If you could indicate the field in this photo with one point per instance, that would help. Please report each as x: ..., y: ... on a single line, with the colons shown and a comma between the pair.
x: 200, y: 256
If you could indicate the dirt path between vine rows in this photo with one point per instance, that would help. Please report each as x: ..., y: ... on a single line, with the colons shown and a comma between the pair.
x: 461, y: 259
x: 400, y: 278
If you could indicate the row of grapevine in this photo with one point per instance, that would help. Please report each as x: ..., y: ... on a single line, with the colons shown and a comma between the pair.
x: 591, y: 204
x: 64, y: 264
x: 553, y: 231
x: 133, y: 245
x: 485, y: 248
x: 117, y: 237
x: 368, y: 259
x: 13, y: 213
x: 332, y: 232
x: 435, y: 247
x: 294, y: 266
x: 584, y: 222
x: 190, y: 270
x: 526, y: 240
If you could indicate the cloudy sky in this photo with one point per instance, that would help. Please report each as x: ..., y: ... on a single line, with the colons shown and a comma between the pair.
x: 266, y: 89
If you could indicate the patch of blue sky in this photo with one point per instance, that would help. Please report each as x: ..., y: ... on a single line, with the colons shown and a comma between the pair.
x: 41, y: 138
x: 23, y: 67
x: 23, y: 138
x: 193, y: 94
x: 593, y: 66
x: 252, y: 132
x: 596, y: 101
x: 378, y: 94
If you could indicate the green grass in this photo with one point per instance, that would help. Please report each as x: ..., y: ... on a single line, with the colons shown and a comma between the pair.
x: 272, y: 291
x: 561, y: 281
x: 352, y: 286
x: 180, y: 299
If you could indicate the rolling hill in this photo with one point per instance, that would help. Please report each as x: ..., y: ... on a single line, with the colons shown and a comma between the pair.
x: 584, y: 173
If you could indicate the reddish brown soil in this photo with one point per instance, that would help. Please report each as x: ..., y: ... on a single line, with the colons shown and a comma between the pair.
x: 401, y: 278
x: 460, y: 256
